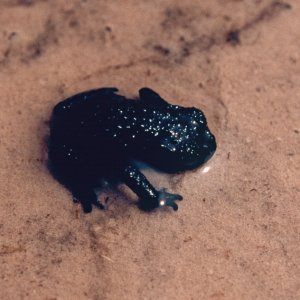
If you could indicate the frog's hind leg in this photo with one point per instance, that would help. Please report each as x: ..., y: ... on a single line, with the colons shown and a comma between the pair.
x: 86, y: 195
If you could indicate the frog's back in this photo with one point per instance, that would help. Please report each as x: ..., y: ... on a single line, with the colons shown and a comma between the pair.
x: 77, y: 143
x: 77, y: 114
x: 85, y: 103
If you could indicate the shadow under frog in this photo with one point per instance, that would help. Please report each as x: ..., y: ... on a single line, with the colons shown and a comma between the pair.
x: 99, y: 134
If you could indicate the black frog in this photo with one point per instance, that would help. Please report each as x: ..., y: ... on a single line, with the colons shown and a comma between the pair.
x: 100, y: 134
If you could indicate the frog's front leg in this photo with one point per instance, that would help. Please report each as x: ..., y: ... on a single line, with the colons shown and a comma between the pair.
x: 150, y: 198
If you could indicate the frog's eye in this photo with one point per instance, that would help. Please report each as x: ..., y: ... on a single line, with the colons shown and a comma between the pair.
x: 151, y: 98
x: 197, y: 115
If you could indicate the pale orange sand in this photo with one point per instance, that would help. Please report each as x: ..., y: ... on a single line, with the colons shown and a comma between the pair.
x: 237, y: 232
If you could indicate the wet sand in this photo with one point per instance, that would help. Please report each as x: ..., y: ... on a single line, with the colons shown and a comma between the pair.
x: 236, y: 235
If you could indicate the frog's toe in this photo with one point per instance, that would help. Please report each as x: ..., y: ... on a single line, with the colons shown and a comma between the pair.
x: 87, y: 207
x: 167, y: 199
x: 87, y: 197
x: 95, y: 201
x: 171, y: 204
x: 99, y: 205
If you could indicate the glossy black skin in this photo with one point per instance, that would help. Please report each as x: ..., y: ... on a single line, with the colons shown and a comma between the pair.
x: 99, y: 135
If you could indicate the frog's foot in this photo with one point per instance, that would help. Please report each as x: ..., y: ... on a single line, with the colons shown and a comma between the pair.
x: 167, y: 199
x: 162, y: 199
x: 87, y: 197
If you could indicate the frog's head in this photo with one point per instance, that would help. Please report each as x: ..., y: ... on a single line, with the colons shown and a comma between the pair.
x: 183, y: 141
x: 187, y: 143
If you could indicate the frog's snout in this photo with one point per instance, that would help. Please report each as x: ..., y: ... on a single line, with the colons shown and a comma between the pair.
x: 209, y: 144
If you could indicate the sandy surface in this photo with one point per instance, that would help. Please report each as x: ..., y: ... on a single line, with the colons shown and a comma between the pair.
x: 237, y: 232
